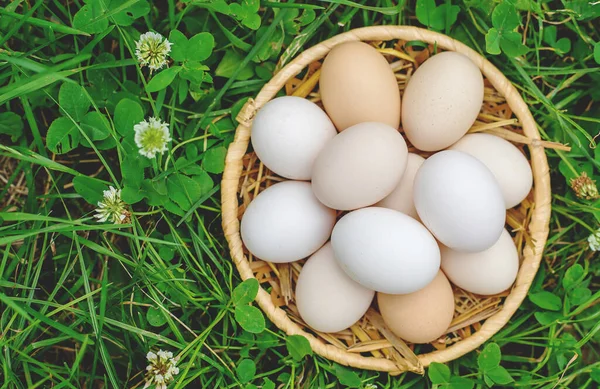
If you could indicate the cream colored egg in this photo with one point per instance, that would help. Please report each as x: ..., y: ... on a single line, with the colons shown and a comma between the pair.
x: 327, y: 299
x: 505, y: 161
x: 358, y: 85
x: 359, y: 166
x: 286, y: 222
x: 441, y: 101
x: 288, y: 133
x: 385, y: 250
x: 488, y: 272
x: 401, y: 198
x: 422, y: 316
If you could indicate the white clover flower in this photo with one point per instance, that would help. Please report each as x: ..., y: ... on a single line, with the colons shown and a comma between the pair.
x: 152, y: 137
x: 594, y: 240
x: 112, y: 207
x: 162, y: 369
x: 152, y: 50
x: 370, y: 386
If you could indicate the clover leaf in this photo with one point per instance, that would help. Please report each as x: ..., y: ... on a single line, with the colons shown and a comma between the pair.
x: 502, y: 37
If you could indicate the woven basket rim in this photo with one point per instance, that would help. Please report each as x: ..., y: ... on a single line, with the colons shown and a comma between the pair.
x: 538, y: 226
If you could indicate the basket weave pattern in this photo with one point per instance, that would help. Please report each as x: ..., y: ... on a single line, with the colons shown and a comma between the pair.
x: 369, y: 344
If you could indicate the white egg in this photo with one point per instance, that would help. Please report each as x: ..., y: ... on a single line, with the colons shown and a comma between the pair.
x: 459, y: 201
x: 401, y: 198
x: 488, y: 272
x: 505, y: 161
x: 288, y: 133
x: 385, y: 250
x: 286, y: 222
x: 327, y: 299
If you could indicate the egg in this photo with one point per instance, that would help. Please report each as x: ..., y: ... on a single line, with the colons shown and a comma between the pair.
x: 359, y: 166
x: 488, y: 272
x: 505, y: 161
x: 422, y: 316
x: 441, y: 101
x: 358, y: 85
x: 401, y: 198
x: 286, y: 222
x: 327, y: 299
x: 385, y: 250
x: 287, y: 134
x: 459, y: 201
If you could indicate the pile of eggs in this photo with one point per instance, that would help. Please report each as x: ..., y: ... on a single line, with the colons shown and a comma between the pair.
x: 412, y: 225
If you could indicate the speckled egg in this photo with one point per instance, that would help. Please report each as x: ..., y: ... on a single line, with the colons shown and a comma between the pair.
x: 441, y: 101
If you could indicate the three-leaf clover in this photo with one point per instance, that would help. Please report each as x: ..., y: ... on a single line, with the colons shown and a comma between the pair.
x: 247, y: 13
x: 64, y: 133
x: 189, y: 54
x: 562, y: 45
x: 95, y: 15
x: 576, y: 285
x: 436, y: 17
x: 441, y: 377
x: 502, y: 37
x: 489, y: 365
x: 248, y: 317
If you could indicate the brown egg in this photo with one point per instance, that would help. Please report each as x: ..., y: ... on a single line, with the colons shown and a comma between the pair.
x: 358, y: 85
x: 422, y: 316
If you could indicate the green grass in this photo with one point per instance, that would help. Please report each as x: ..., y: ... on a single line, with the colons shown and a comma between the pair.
x: 81, y: 303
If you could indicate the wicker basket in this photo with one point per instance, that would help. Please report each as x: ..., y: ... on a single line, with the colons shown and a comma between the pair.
x: 369, y: 344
